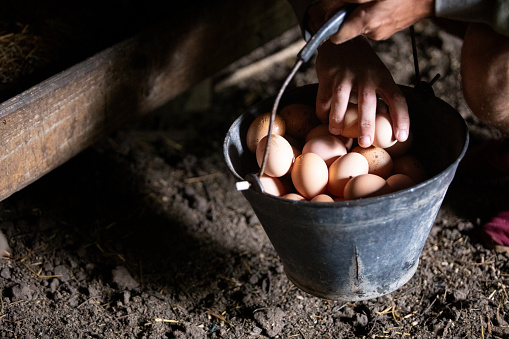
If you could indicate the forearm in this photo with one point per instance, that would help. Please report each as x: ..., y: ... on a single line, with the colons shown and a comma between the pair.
x: 494, y: 13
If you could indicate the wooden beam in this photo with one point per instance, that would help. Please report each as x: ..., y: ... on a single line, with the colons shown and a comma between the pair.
x: 48, y: 124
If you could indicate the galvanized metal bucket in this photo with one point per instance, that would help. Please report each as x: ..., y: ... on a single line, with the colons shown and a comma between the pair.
x: 359, y: 249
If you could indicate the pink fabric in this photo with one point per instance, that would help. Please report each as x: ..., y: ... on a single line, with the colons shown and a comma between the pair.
x: 498, y: 229
x: 490, y: 160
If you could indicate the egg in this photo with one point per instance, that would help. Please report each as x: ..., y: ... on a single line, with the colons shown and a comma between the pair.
x: 299, y: 119
x: 364, y: 186
x: 384, y: 136
x: 380, y: 162
x: 328, y: 147
x: 323, y: 129
x: 280, y: 156
x: 322, y: 198
x: 260, y: 128
x: 294, y: 196
x: 350, y: 120
x: 309, y: 175
x: 401, y: 147
x: 343, y: 169
x: 398, y: 182
x: 272, y: 185
x: 411, y: 166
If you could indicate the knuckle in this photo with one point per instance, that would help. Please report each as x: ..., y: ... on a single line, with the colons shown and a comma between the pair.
x: 341, y: 91
x: 366, y: 125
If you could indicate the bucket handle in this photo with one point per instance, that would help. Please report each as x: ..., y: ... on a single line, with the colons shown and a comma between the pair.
x: 329, y: 28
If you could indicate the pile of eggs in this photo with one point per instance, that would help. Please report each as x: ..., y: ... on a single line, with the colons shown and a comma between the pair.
x: 307, y: 162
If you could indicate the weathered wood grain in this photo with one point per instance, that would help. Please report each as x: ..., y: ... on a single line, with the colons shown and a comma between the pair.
x: 48, y: 124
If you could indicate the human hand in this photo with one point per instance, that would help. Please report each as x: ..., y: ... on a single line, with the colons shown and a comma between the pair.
x: 375, y: 19
x: 353, y: 67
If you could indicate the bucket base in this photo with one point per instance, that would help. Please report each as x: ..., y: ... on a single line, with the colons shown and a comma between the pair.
x: 363, y: 292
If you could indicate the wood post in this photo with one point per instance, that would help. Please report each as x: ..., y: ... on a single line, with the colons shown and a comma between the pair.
x: 53, y: 121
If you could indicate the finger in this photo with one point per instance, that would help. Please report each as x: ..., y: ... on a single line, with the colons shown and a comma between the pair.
x: 398, y: 110
x: 323, y: 101
x: 367, y: 113
x: 339, y: 103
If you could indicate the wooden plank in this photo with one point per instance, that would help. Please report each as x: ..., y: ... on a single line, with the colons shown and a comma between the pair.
x: 48, y: 124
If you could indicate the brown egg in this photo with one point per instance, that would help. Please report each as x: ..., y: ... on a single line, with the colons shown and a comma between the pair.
x: 294, y: 196
x: 398, y: 182
x: 364, y: 186
x: 272, y: 186
x: 323, y: 129
x: 343, y: 169
x: 380, y: 162
x: 400, y: 148
x: 384, y: 136
x: 329, y: 147
x: 260, y: 128
x: 309, y: 175
x: 351, y: 128
x: 411, y: 166
x: 322, y: 198
x: 280, y: 157
x: 299, y: 119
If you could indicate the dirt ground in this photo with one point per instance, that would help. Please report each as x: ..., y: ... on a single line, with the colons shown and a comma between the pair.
x: 144, y: 235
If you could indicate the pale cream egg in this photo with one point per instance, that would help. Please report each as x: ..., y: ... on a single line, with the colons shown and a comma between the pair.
x: 328, y: 147
x: 322, y: 198
x: 309, y: 175
x: 272, y: 186
x: 280, y: 156
x: 384, y: 136
x: 343, y: 169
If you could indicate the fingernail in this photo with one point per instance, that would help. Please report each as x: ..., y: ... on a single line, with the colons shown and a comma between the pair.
x: 365, y: 141
x: 402, y: 135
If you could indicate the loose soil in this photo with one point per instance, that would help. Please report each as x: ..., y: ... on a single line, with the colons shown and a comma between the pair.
x: 144, y: 235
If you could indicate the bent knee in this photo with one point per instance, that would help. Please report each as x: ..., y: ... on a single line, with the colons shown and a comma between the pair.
x: 485, y: 75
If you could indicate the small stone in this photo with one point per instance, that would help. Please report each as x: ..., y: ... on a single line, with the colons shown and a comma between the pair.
x: 362, y: 319
x: 63, y: 272
x: 127, y: 296
x: 5, y: 273
x: 92, y: 291
x: 123, y: 278
x: 54, y: 285
x: 21, y: 292
x: 272, y: 320
x: 48, y: 266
